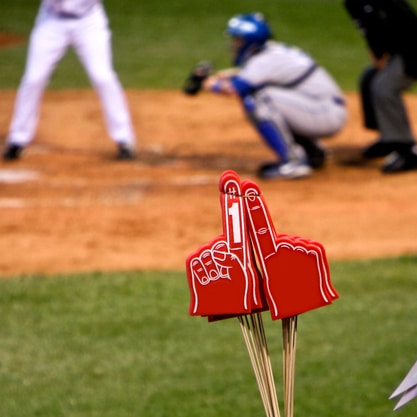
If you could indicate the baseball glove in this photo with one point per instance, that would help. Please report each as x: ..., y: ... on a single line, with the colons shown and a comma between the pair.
x: 194, y: 82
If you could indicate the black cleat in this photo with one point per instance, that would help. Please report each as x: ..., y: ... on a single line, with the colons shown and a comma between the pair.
x: 380, y: 148
x: 316, y: 155
x: 397, y: 162
x: 125, y: 153
x: 12, y: 152
x: 284, y: 170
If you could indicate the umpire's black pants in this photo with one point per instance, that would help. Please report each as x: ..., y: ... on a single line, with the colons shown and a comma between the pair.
x: 382, y: 103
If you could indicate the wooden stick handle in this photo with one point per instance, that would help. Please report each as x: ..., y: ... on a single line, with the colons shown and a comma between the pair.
x: 289, y: 345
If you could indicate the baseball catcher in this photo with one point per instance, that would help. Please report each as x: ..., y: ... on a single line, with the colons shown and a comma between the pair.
x: 291, y: 101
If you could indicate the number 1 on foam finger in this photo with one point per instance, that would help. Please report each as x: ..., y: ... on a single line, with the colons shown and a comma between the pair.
x: 234, y: 213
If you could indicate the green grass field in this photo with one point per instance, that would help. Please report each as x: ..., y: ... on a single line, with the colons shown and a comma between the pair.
x: 119, y: 345
x: 122, y: 344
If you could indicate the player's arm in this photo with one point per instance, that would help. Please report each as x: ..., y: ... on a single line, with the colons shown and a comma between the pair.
x: 228, y: 72
x: 229, y: 83
x: 219, y: 84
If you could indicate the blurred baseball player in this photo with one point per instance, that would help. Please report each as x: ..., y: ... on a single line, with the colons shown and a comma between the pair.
x: 291, y: 101
x: 82, y: 24
x: 390, y: 30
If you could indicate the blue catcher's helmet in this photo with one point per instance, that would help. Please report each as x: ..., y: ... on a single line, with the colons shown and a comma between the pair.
x: 252, y: 29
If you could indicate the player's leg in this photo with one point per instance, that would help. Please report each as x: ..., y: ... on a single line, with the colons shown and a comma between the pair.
x: 291, y: 158
x: 310, y: 116
x: 385, y: 88
x: 368, y: 110
x: 92, y: 41
x: 48, y: 42
x: 392, y: 117
x: 316, y: 153
x: 303, y: 119
x: 379, y: 147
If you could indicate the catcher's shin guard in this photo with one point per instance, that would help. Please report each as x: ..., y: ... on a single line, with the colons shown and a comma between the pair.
x: 267, y: 129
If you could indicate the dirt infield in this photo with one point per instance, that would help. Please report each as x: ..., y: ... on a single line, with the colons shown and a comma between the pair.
x: 68, y: 206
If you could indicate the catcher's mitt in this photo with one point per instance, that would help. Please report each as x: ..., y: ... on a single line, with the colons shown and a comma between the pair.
x: 194, y: 83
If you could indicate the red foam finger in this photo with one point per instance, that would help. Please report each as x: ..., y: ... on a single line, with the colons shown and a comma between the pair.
x: 329, y: 288
x: 222, y: 276
x: 225, y: 177
x: 217, y: 283
x: 234, y: 226
x: 295, y: 280
x: 261, y: 227
x: 295, y: 271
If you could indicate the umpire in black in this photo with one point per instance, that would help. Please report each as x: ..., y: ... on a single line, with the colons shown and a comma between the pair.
x: 390, y: 30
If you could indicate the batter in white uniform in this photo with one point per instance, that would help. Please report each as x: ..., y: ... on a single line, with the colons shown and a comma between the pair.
x: 82, y: 24
x: 290, y: 100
